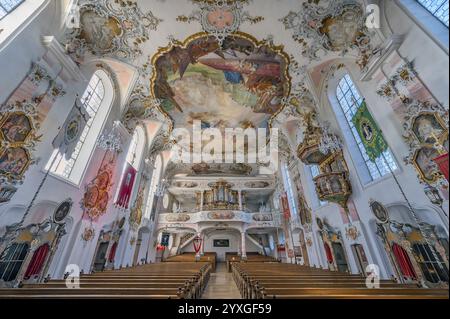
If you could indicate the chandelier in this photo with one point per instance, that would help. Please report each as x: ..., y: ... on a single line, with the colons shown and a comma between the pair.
x: 329, y: 142
x: 161, y: 188
x: 111, y: 141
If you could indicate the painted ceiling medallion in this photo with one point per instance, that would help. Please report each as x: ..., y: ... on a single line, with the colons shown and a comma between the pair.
x: 220, y: 18
x: 336, y: 26
x: 109, y: 28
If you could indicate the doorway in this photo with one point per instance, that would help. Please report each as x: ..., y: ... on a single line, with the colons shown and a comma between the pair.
x: 339, y: 254
x: 100, y: 258
x: 361, y: 258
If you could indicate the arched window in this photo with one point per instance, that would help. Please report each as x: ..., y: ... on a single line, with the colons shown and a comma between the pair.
x: 438, y: 8
x: 8, y: 6
x: 289, y: 189
x: 150, y: 206
x: 97, y: 101
x: 350, y: 100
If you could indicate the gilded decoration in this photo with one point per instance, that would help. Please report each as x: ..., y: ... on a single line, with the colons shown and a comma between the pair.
x: 219, y: 18
x: 19, y: 123
x: 308, y: 150
x: 231, y: 81
x: 426, y: 132
x: 110, y: 28
x: 137, y: 211
x: 412, y: 240
x: 331, y: 26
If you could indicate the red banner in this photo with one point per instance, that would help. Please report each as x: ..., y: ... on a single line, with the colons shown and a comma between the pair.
x: 285, y: 206
x: 442, y: 162
x: 126, y: 187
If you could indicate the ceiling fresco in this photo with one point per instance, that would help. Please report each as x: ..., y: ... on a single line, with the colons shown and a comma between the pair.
x: 229, y: 64
x: 239, y: 84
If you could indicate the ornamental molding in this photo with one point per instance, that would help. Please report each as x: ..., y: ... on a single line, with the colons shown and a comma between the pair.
x: 220, y: 18
x: 321, y: 27
x: 110, y: 29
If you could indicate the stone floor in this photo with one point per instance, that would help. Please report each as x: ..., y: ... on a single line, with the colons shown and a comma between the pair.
x: 221, y: 285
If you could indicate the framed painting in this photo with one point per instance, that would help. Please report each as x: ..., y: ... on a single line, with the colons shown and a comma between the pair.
x: 14, y: 161
x: 424, y: 164
x: 221, y: 243
x: 16, y: 128
x: 429, y: 129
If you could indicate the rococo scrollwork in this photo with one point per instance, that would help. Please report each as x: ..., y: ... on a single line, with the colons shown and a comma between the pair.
x: 336, y: 26
x: 426, y: 132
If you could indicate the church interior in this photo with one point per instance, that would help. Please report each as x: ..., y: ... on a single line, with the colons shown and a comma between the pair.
x: 129, y: 166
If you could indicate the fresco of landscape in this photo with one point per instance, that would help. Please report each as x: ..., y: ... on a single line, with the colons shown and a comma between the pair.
x: 238, y: 84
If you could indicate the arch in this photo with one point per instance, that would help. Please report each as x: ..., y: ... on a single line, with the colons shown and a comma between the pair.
x: 346, y: 99
x: 142, y: 245
x: 97, y: 100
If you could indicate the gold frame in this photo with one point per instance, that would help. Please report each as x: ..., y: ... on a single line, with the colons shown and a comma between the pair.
x: 436, y: 176
x: 29, y: 135
x: 441, y: 139
x: 238, y: 34
x: 5, y: 144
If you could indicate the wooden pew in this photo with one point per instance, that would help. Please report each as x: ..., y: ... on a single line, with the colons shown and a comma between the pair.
x: 190, y: 257
x: 287, y: 281
x: 154, y: 281
x: 231, y: 258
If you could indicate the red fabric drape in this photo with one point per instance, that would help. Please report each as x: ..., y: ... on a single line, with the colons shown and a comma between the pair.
x: 112, y: 253
x: 126, y: 187
x: 329, y: 253
x: 197, y: 244
x: 285, y: 206
x: 403, y: 261
x: 37, y: 261
x: 442, y: 162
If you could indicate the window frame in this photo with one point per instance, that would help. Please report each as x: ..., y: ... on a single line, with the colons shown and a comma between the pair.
x: 7, y: 12
x: 439, y: 18
x: 107, y: 102
x: 355, y: 144
x: 426, y: 21
x: 20, y: 250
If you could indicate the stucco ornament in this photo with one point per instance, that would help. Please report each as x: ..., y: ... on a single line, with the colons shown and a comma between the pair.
x: 331, y: 26
x: 19, y: 124
x: 426, y: 133
x: 220, y: 18
x: 109, y: 28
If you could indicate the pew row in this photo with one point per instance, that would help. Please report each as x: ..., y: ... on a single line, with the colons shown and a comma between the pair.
x: 287, y: 281
x: 153, y: 281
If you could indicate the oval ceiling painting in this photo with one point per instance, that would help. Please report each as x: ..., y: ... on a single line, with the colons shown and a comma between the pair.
x: 240, y: 84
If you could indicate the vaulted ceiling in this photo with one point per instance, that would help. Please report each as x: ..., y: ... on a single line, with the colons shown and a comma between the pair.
x: 240, y: 63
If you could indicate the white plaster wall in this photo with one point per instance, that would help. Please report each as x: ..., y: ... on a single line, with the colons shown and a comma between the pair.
x: 235, y: 242
x: 431, y: 61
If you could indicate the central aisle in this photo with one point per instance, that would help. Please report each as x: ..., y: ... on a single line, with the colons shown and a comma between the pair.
x: 221, y: 285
